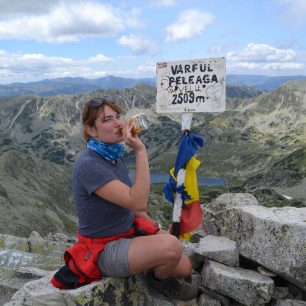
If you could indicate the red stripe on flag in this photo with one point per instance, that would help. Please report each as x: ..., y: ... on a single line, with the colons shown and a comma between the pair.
x: 191, y: 217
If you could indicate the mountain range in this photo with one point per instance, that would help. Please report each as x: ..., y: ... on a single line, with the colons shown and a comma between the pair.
x: 257, y: 145
x: 76, y: 85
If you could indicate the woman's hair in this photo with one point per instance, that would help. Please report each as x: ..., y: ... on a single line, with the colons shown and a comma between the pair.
x: 92, y: 110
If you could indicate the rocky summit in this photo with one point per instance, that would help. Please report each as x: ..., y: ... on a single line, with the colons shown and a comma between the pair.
x: 232, y: 265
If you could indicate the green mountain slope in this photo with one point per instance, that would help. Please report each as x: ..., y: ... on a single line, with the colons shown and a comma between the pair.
x: 257, y: 145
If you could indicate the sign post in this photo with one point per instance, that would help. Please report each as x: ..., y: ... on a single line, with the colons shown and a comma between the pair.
x: 189, y: 87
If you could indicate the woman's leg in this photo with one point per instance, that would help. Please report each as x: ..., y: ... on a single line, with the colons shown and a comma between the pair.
x: 161, y: 253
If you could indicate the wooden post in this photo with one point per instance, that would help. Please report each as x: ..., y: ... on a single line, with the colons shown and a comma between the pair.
x: 178, y: 202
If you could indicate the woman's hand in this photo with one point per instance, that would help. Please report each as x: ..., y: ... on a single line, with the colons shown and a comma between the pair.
x: 132, y: 139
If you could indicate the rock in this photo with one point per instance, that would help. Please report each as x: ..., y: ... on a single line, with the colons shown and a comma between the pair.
x: 289, y: 303
x: 132, y: 290
x: 244, y: 225
x: 272, y: 237
x: 264, y: 271
x: 35, y: 235
x: 225, y: 301
x: 245, y: 286
x: 11, y: 280
x: 229, y: 200
x: 280, y: 293
x: 213, y: 210
x: 196, y: 279
x: 220, y: 249
x: 197, y: 235
x: 192, y: 302
x: 42, y: 246
x: 190, y: 251
x: 34, y: 244
x: 15, y: 259
x: 206, y: 300
x: 14, y: 242
x: 60, y: 237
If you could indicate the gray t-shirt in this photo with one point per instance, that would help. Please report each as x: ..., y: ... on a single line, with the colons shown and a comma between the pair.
x: 97, y: 216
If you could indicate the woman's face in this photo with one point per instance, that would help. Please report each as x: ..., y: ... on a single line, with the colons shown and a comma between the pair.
x: 107, y: 127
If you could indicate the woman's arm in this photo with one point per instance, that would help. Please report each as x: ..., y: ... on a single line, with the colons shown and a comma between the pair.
x: 135, y: 197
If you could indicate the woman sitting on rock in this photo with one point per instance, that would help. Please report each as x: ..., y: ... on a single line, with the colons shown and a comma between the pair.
x: 112, y: 212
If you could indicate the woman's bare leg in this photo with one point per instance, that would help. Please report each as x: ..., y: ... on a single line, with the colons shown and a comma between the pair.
x: 161, y: 253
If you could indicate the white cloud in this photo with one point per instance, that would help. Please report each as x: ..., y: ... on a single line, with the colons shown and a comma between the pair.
x: 189, y: 24
x: 166, y: 3
x: 67, y: 23
x: 27, y: 7
x: 148, y: 68
x: 262, y: 53
x: 138, y: 44
x: 262, y: 57
x: 295, y: 12
x: 221, y: 48
x: 37, y: 66
x: 99, y: 58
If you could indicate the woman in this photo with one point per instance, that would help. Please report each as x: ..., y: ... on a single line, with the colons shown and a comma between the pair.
x: 107, y: 204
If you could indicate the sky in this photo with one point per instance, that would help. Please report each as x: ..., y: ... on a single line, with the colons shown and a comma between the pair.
x: 47, y: 39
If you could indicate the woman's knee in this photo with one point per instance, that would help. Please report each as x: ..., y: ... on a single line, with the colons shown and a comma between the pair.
x: 171, y: 247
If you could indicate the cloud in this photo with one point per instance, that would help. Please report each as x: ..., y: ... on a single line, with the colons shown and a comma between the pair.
x: 36, y: 66
x: 295, y: 11
x: 221, y: 48
x: 166, y: 3
x: 148, y: 68
x: 189, y: 24
x: 138, y: 44
x: 68, y: 23
x: 262, y: 53
x: 262, y: 57
x: 27, y: 7
x: 99, y: 58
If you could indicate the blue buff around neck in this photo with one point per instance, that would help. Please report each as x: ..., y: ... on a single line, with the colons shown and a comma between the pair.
x: 106, y: 150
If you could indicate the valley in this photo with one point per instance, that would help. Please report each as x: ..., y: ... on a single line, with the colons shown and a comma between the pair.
x: 257, y: 145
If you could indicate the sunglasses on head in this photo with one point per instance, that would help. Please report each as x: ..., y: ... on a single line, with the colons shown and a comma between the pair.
x: 97, y: 102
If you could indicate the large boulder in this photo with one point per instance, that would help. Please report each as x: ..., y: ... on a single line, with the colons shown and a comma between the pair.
x: 132, y: 290
x: 272, y: 237
x: 12, y: 280
x: 245, y: 286
x: 220, y: 249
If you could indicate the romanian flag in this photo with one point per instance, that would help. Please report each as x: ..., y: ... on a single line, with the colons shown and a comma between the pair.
x: 191, y: 216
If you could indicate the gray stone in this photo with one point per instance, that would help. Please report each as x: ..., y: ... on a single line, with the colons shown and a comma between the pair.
x: 11, y: 280
x: 16, y: 259
x: 280, y: 293
x: 225, y: 301
x: 273, y: 237
x: 245, y: 286
x: 196, y: 279
x: 264, y: 271
x: 189, y: 250
x: 132, y: 290
x: 192, y: 302
x: 14, y: 242
x: 289, y: 302
x: 40, y: 245
x: 229, y: 200
x: 213, y: 210
x: 220, y: 249
x: 206, y: 300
